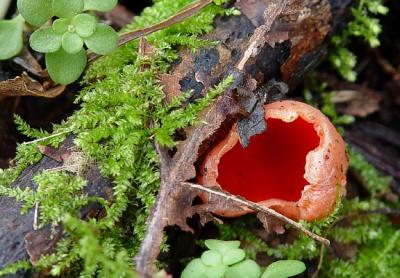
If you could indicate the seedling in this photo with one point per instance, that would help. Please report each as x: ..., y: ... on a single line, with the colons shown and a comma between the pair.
x: 226, y: 259
x: 66, y: 39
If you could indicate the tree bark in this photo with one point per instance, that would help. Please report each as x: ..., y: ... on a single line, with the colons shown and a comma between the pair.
x: 294, y: 43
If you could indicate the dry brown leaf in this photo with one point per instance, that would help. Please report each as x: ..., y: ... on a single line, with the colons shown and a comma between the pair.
x: 42, y: 242
x: 24, y: 85
x: 29, y: 63
x: 51, y: 152
x: 271, y: 224
x: 357, y: 102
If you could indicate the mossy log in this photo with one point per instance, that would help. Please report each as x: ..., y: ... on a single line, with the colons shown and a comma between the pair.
x: 295, y: 42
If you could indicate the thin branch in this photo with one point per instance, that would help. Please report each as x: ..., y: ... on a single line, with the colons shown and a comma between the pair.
x: 259, y: 208
x: 320, y: 261
x: 384, y: 211
x: 45, y: 138
x: 188, y: 11
x: 36, y: 217
x: 185, y: 13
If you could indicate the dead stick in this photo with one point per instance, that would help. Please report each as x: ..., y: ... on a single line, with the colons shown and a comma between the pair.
x: 320, y: 261
x: 259, y: 208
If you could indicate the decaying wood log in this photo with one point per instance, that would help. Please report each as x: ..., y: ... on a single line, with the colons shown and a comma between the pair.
x: 18, y: 238
x: 271, y: 44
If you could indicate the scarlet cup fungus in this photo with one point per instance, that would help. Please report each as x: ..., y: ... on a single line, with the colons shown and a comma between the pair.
x: 296, y: 167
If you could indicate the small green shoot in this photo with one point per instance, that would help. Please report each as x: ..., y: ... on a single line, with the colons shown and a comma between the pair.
x: 365, y: 25
x: 226, y: 260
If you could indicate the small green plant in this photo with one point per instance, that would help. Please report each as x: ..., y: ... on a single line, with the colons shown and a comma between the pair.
x: 226, y: 259
x: 364, y: 25
x: 63, y: 41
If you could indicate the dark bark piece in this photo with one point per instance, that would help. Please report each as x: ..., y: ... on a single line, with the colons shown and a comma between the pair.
x: 253, y: 122
x: 304, y: 23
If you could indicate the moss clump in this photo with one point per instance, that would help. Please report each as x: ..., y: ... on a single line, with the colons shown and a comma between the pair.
x: 118, y: 102
x: 365, y: 25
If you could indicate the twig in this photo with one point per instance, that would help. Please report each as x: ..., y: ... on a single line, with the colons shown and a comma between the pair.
x: 386, y: 66
x: 320, y: 261
x: 259, y: 208
x: 187, y: 12
x: 36, y: 217
x: 45, y: 138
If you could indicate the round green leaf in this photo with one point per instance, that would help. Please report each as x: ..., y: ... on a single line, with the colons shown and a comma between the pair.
x: 217, y: 271
x: 222, y: 246
x: 35, y: 12
x: 247, y: 268
x: 233, y: 256
x: 67, y: 8
x: 103, y: 41
x: 60, y: 26
x: 284, y: 268
x: 85, y: 25
x: 194, y: 269
x: 65, y: 68
x: 72, y: 43
x: 100, y: 5
x: 45, y: 40
x: 11, y: 37
x: 211, y: 258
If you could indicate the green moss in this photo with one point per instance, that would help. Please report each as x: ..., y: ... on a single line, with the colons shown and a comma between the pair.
x: 365, y: 25
x: 118, y: 102
x: 22, y: 265
x: 374, y: 182
x: 377, y: 246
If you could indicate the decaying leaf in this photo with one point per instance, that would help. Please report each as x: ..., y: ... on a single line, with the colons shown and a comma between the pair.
x: 26, y: 86
x: 42, y: 242
x: 29, y: 63
x: 357, y: 102
x: 270, y: 223
x: 51, y: 152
